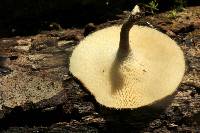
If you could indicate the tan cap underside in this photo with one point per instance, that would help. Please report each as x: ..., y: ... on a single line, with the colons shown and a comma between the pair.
x: 152, y: 70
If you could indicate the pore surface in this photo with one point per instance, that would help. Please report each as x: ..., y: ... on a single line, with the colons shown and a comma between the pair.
x: 151, y: 71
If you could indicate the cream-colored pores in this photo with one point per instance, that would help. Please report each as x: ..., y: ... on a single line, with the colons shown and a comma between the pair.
x: 149, y: 71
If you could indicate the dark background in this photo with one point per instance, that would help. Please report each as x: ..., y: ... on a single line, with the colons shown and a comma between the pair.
x: 27, y: 17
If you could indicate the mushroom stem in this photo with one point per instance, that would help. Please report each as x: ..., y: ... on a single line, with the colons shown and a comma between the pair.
x: 124, y: 34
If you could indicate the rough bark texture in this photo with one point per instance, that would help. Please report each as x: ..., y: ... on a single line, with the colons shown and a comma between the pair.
x: 38, y: 94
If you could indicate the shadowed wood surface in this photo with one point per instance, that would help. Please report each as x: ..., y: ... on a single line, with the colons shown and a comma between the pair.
x: 38, y: 94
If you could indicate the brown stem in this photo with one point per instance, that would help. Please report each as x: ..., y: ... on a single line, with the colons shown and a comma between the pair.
x: 124, y: 34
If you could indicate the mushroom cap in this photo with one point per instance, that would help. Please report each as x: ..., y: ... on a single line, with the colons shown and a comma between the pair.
x: 150, y: 72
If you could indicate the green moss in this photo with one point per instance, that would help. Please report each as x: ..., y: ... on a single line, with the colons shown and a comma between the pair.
x: 152, y: 5
x: 172, y: 14
x: 179, y: 4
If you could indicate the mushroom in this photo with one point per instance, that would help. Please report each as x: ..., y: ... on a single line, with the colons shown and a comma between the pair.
x: 128, y: 66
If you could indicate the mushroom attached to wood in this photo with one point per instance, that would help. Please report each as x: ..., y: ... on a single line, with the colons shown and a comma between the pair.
x: 128, y: 66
